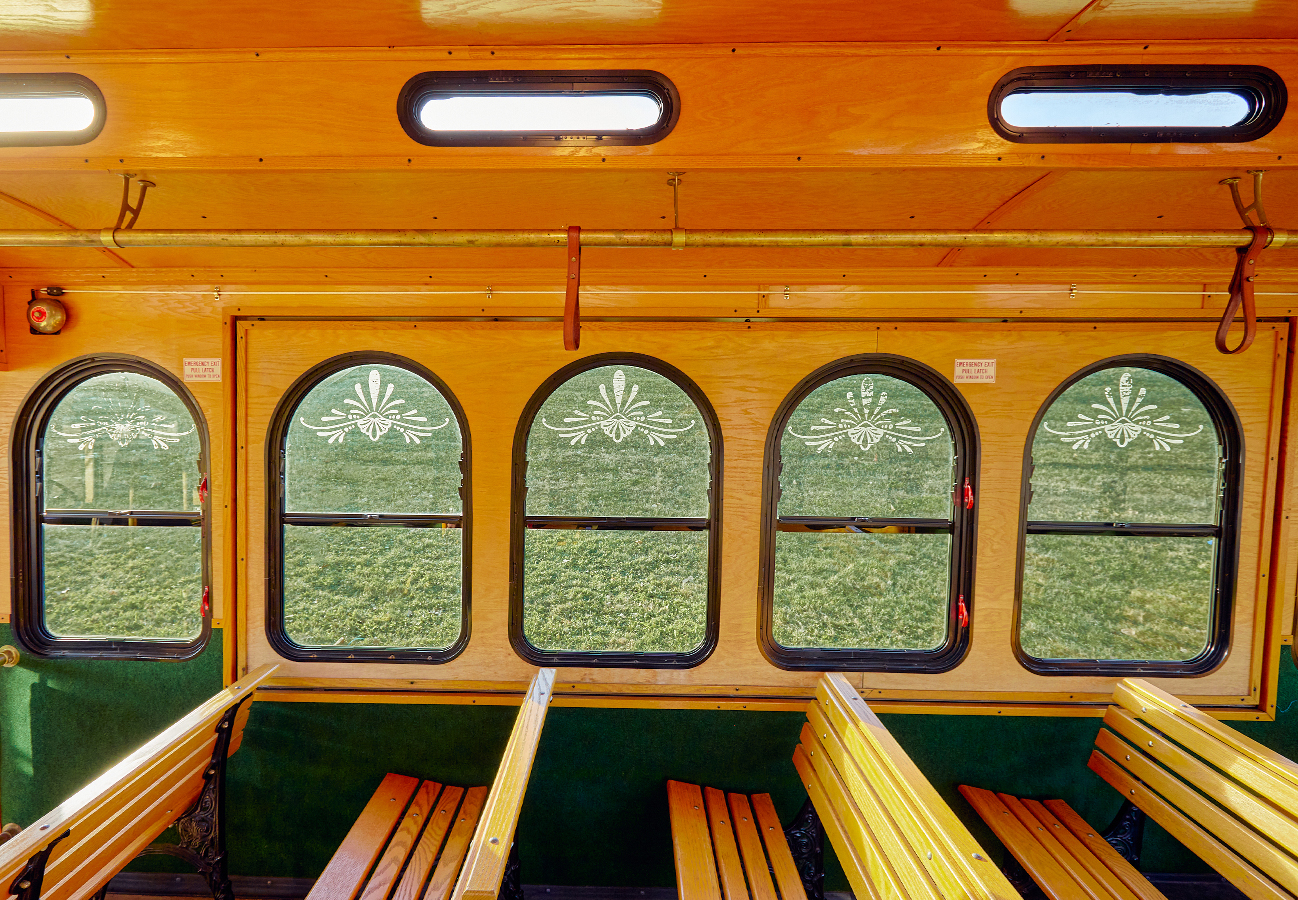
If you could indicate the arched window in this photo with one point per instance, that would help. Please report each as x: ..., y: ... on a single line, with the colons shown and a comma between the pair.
x: 1131, y: 514
x: 368, y: 538
x: 867, y: 556
x: 110, y: 537
x: 617, y: 473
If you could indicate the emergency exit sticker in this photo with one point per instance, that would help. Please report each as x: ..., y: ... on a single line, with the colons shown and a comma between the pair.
x: 202, y: 369
x: 980, y: 370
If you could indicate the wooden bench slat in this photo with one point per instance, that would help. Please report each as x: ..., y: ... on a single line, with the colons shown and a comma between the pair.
x: 383, y: 879
x: 880, y: 816
x: 1081, y: 851
x: 86, y: 811
x: 696, y: 867
x: 1114, y: 861
x: 346, y: 872
x: 430, y: 842
x: 1135, y: 693
x: 1259, y: 813
x: 1238, y: 872
x: 956, y: 845
x: 1242, y: 839
x: 777, y: 849
x: 1023, y: 845
x: 1186, y: 732
x: 1039, y: 831
x: 457, y: 845
x: 134, y: 825
x: 760, y: 884
x: 858, y: 875
x: 104, y: 860
x: 484, y: 868
x: 730, y: 870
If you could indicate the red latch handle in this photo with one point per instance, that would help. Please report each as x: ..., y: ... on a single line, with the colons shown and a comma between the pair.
x: 572, y: 300
x: 202, y: 490
x: 207, y: 596
x: 962, y: 612
x: 968, y: 494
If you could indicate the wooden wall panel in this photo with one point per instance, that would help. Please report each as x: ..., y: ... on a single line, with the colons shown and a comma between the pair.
x: 335, y: 110
x: 746, y: 369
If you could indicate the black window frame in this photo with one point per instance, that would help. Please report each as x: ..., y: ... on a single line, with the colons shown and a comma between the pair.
x: 1230, y: 436
x: 277, y: 518
x: 1263, y: 88
x: 520, y: 521
x: 427, y: 85
x: 47, y: 84
x: 963, y: 429
x: 27, y: 516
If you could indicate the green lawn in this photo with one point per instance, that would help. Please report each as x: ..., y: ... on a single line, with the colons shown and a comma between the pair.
x: 1084, y: 597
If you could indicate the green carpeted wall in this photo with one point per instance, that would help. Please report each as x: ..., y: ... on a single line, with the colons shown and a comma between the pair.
x: 596, y: 810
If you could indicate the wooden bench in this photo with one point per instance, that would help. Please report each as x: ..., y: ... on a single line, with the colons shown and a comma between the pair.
x: 427, y: 841
x: 1227, y: 798
x: 895, y: 836
x: 176, y: 778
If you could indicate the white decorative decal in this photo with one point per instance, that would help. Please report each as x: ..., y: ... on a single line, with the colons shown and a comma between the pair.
x: 618, y: 418
x: 865, y: 423
x: 123, y: 424
x: 374, y: 418
x: 1123, y: 422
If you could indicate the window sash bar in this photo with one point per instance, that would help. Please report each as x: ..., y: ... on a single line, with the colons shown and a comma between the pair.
x: 1134, y: 529
x: 124, y: 518
x: 862, y: 523
x: 616, y: 523
x: 363, y: 520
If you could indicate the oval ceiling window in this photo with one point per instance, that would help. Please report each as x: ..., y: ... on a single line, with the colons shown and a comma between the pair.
x: 49, y: 110
x: 1137, y: 104
x: 485, y: 109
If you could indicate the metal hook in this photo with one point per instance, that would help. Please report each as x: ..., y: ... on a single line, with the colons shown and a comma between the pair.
x: 675, y: 182
x: 1256, y: 205
x: 126, y: 202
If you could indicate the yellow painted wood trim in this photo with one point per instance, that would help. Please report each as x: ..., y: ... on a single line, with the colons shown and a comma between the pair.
x: 1224, y: 789
x: 1235, y: 870
x: 133, y: 777
x: 863, y: 884
x: 1241, y: 838
x: 484, y: 867
x: 1138, y: 695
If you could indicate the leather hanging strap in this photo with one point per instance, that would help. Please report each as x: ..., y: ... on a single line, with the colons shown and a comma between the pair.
x: 1241, y: 291
x: 572, y: 303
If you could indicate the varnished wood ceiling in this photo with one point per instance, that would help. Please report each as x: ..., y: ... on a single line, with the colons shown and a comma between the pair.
x: 156, y: 24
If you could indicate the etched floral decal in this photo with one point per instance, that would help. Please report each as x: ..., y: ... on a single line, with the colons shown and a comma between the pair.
x: 123, y: 424
x: 374, y: 417
x: 865, y: 422
x: 619, y: 418
x: 1123, y: 421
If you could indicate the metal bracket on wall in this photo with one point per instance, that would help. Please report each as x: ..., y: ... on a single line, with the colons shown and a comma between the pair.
x: 806, y: 837
x: 126, y: 206
x: 1256, y: 206
x: 202, y: 827
x: 27, y: 886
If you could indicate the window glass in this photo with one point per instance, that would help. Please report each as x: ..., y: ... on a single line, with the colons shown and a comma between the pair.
x: 373, y: 438
x: 617, y: 520
x: 372, y: 543
x: 1126, y: 445
x: 618, y: 441
x: 866, y: 446
x: 1124, y: 546
x: 121, y: 441
x: 121, y: 537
